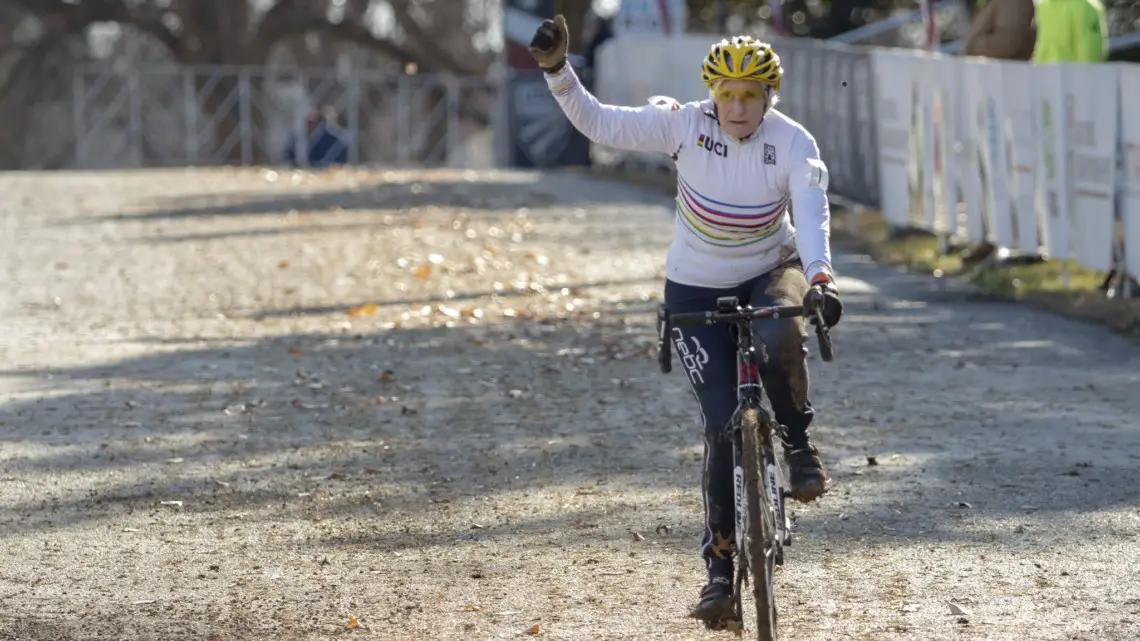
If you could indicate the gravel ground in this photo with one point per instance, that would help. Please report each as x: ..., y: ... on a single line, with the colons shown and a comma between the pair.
x: 423, y: 405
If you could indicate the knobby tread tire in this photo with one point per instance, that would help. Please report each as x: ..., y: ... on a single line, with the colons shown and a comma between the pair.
x: 761, y: 521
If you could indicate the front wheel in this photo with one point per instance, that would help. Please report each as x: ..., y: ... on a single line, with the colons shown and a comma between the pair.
x: 758, y: 458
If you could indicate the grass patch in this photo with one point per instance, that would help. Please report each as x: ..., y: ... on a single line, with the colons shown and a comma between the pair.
x: 1040, y: 284
x: 919, y: 252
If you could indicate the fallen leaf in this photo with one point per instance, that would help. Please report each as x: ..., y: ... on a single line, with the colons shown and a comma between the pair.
x: 367, y: 309
x: 534, y: 629
x: 353, y: 623
x: 386, y: 377
x: 957, y: 609
x: 295, y: 352
x: 423, y: 272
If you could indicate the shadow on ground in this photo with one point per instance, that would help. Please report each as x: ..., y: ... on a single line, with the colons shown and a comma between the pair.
x: 398, y: 190
x: 397, y: 422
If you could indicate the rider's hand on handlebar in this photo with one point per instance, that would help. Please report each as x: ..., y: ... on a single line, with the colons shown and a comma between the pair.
x: 548, y: 46
x: 824, y: 296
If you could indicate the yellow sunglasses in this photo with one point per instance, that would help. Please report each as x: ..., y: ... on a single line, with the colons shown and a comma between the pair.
x: 750, y: 94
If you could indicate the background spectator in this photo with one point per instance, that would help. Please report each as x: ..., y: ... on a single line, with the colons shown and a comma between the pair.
x: 1071, y: 31
x: 327, y: 143
x: 1001, y: 29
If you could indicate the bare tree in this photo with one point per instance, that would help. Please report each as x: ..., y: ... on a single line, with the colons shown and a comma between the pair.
x: 245, y: 32
x: 413, y: 35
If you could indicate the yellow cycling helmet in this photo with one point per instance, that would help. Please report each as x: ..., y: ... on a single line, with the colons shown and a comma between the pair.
x: 742, y: 58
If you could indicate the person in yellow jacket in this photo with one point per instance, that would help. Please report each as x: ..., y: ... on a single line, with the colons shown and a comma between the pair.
x: 1070, y: 31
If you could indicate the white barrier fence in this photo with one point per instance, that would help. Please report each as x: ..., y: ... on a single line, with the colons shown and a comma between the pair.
x: 1032, y: 158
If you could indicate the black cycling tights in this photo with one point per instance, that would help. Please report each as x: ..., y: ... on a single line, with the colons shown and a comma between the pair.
x: 708, y: 356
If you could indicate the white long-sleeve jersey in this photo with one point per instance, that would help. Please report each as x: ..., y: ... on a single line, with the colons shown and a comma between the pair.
x: 732, y: 220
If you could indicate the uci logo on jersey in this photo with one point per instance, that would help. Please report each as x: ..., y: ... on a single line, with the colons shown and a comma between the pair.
x: 718, y: 148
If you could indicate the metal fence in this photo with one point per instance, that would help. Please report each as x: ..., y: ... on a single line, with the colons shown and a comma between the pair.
x: 167, y: 115
x: 829, y: 88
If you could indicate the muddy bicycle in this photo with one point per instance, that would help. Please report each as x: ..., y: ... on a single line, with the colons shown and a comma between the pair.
x: 763, y: 528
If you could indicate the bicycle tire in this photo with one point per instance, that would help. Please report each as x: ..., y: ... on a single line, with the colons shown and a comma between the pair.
x: 761, y: 522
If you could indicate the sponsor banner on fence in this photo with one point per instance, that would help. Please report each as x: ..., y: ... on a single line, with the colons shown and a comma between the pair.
x: 894, y: 101
x: 1021, y: 131
x: 1052, y: 159
x: 946, y: 86
x: 929, y: 175
x: 973, y: 151
x: 1129, y: 192
x: 990, y: 119
x: 1092, y: 167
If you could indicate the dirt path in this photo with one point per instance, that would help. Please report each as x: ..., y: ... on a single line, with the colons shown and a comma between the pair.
x: 199, y: 439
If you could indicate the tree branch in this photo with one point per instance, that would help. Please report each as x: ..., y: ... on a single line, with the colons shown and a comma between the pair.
x: 58, y: 15
x: 147, y: 19
x: 289, y: 24
x: 293, y: 25
x: 426, y: 42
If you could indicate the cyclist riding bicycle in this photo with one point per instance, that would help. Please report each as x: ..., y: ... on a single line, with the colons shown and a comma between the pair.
x: 741, y: 166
